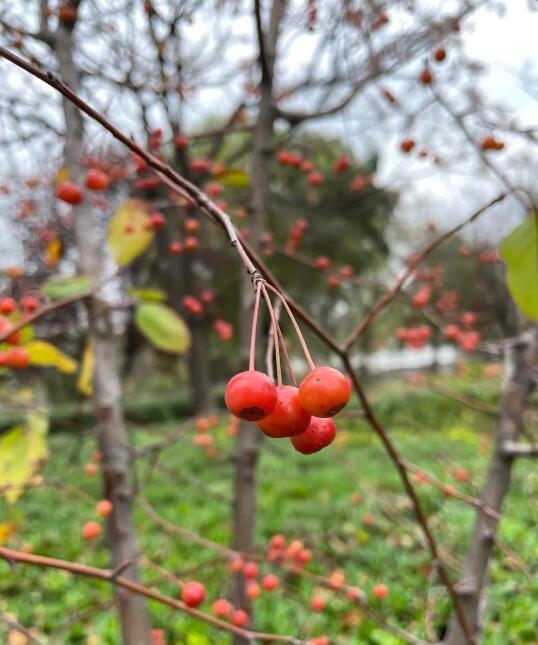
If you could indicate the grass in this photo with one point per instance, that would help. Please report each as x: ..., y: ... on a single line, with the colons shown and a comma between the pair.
x: 308, y: 498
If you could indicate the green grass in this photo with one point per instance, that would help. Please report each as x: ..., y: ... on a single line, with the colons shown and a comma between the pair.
x: 308, y: 498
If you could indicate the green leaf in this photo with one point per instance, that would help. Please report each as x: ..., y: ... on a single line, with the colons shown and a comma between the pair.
x: 22, y: 450
x: 163, y: 327
x: 148, y: 295
x: 57, y: 288
x: 128, y: 235
x: 234, y: 178
x: 44, y: 354
x: 520, y: 253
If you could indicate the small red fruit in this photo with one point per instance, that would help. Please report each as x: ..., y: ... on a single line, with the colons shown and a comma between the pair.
x: 7, y: 305
x: 407, y: 145
x: 193, y: 593
x: 426, y: 77
x: 278, y: 541
x: 221, y: 608
x: 103, y: 508
x: 288, y: 418
x: 315, y: 179
x: 191, y: 225
x: 322, y: 262
x: 97, y: 180
x: 324, y: 392
x: 236, y: 565
x: 191, y: 243
x: 317, y: 603
x: 440, y: 55
x: 181, y: 141
x: 156, y: 220
x: 381, y: 591
x: 253, y: 589
x: 341, y: 164
x: 239, y: 618
x: 270, y: 582
x: 90, y: 469
x: 461, y: 474
x: 17, y: 357
x: 251, y: 395
x: 175, y: 247
x: 70, y: 192
x: 319, y: 434
x: 28, y: 304
x: 91, y: 531
x: 250, y: 570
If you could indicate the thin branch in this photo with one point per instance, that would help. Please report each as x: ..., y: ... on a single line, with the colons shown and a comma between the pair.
x: 106, y: 574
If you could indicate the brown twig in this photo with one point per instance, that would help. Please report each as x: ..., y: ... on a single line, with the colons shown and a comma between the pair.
x: 106, y: 574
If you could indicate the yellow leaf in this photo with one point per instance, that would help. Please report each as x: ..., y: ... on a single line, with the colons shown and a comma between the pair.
x: 62, y: 175
x: 22, y: 450
x: 46, y: 355
x: 85, y: 377
x: 7, y: 529
x: 128, y: 235
x: 54, y: 250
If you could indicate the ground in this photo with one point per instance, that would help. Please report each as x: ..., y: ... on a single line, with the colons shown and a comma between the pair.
x: 324, y: 500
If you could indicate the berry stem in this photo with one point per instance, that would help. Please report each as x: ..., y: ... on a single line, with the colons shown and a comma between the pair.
x: 308, y: 357
x: 289, y: 368
x: 275, y: 335
x: 252, y: 357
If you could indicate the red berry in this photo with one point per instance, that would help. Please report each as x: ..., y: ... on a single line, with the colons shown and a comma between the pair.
x: 461, y: 474
x: 278, y: 541
x: 440, y: 55
x: 7, y: 305
x: 239, y: 618
x: 319, y: 434
x: 181, y: 141
x: 317, y: 603
x: 253, y: 589
x: 322, y: 262
x: 17, y: 357
x: 288, y: 418
x: 28, y: 304
x: 250, y: 570
x: 214, y: 189
x: 97, y: 180
x: 381, y: 591
x: 91, y: 531
x: 176, y: 247
x: 315, y: 179
x: 324, y: 392
x: 341, y: 164
x: 221, y: 608
x: 193, y: 593
x: 156, y: 219
x: 426, y: 77
x: 104, y: 507
x: 70, y: 192
x: 191, y: 225
x: 407, y: 145
x: 191, y: 243
x: 270, y: 582
x: 251, y: 395
x: 236, y: 565
x: 5, y: 327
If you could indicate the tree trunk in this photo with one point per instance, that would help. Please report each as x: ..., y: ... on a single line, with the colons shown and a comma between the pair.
x: 107, y: 329
x: 248, y: 437
x: 521, y: 377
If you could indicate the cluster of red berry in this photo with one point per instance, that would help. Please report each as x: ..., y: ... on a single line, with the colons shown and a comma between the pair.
x: 302, y: 414
x: 16, y: 357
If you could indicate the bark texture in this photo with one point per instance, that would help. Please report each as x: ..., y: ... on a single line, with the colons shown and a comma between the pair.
x: 520, y: 379
x: 107, y: 329
x: 248, y: 437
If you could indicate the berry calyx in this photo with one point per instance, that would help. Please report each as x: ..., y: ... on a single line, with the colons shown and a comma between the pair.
x: 324, y: 392
x: 319, y: 434
x: 251, y: 395
x: 193, y: 593
x: 288, y: 418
